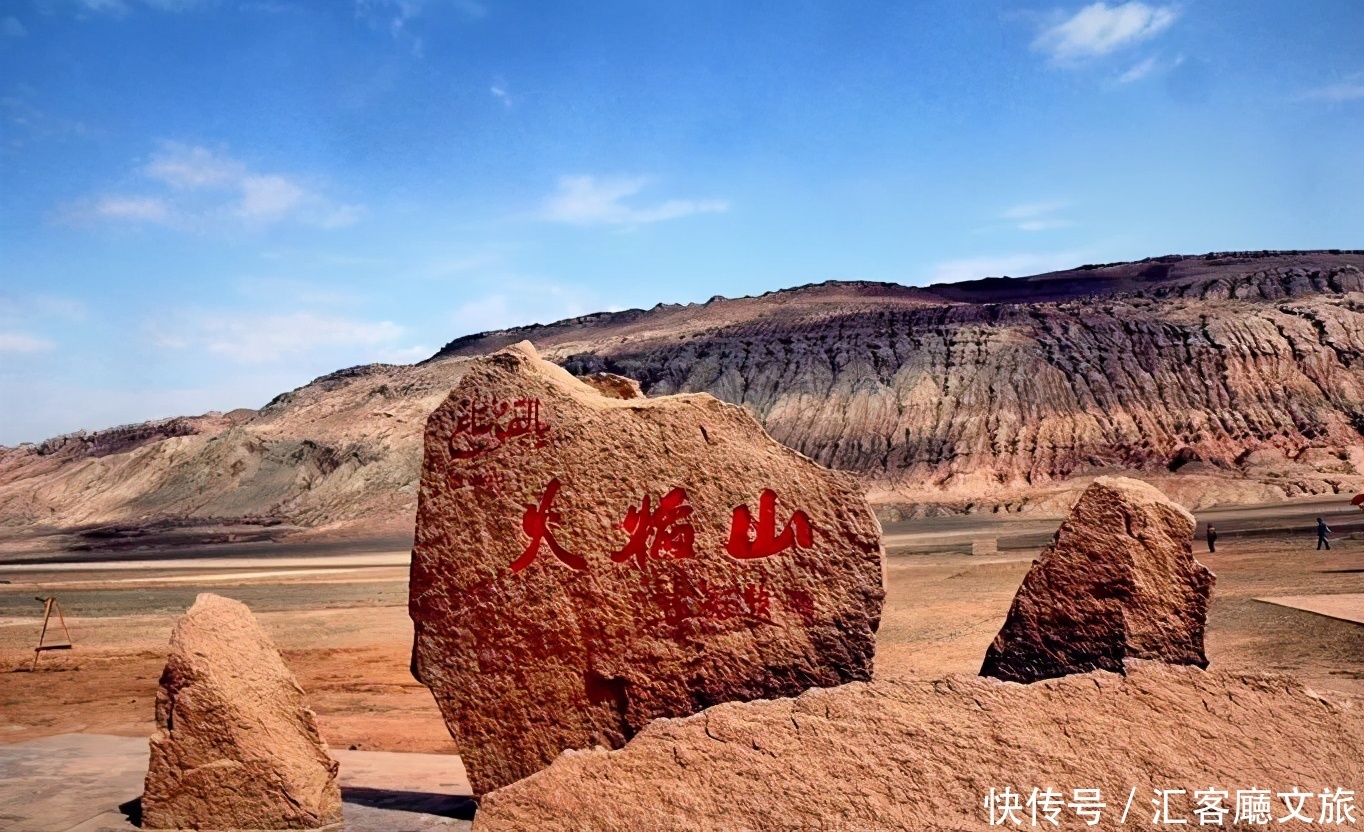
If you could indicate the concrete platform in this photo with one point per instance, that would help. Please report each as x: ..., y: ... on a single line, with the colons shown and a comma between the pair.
x: 1347, y: 607
x: 92, y: 783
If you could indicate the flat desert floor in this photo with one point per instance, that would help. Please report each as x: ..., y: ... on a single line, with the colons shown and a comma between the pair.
x: 341, y: 620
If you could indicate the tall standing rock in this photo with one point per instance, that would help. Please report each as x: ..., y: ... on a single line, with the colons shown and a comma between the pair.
x: 1119, y: 581
x: 586, y: 563
x: 236, y: 746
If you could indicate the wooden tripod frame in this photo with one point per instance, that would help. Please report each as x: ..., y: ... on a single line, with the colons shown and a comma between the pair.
x: 50, y: 604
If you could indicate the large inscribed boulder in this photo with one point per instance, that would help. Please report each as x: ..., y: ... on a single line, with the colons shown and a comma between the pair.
x: 1119, y: 581
x: 585, y: 563
x: 236, y: 746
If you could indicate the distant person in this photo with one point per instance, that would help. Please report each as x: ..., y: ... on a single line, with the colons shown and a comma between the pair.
x: 1212, y: 538
x: 1322, y: 531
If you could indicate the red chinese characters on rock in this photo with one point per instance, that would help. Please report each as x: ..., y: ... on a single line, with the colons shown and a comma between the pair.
x: 659, y: 533
x: 539, y: 523
x: 715, y: 602
x: 483, y: 479
x: 748, y: 540
x: 743, y: 600
x: 485, y: 426
x: 665, y: 532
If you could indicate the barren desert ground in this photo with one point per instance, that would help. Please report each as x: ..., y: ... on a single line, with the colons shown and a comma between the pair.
x: 341, y: 618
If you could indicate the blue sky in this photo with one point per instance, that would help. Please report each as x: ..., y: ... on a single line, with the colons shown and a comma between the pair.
x: 203, y: 204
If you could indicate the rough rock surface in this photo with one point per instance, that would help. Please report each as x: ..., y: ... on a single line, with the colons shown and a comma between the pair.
x: 1119, y: 581
x: 614, y: 386
x: 236, y: 746
x: 925, y: 755
x: 584, y: 564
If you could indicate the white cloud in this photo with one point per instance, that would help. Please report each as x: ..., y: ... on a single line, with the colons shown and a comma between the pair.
x: 1099, y: 29
x: 18, y: 342
x: 339, y: 216
x: 1037, y: 216
x: 1138, y: 71
x: 108, y: 6
x: 198, y: 189
x: 123, y: 6
x: 515, y: 300
x: 50, y: 306
x: 181, y: 166
x: 1043, y: 224
x: 25, y: 122
x: 1351, y: 89
x: 22, y: 314
x: 12, y: 28
x: 488, y: 313
x: 499, y: 91
x: 257, y: 339
x: 395, y: 15
x: 1011, y: 265
x: 267, y: 198
x: 146, y: 208
x: 404, y: 355
x: 32, y: 409
x: 588, y: 200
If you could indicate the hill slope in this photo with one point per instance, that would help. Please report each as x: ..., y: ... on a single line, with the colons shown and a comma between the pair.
x: 1223, y: 378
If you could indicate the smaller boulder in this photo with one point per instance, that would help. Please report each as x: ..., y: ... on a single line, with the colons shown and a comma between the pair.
x: 613, y: 386
x: 236, y: 746
x: 1119, y: 581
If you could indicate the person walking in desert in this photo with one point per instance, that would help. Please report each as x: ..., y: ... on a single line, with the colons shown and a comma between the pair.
x: 1322, y: 531
x: 1212, y: 538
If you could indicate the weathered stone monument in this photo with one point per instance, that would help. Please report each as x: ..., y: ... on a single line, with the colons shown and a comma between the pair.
x: 588, y: 562
x: 1119, y: 581
x: 236, y: 746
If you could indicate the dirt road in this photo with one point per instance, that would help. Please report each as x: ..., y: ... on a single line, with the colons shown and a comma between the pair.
x: 341, y: 620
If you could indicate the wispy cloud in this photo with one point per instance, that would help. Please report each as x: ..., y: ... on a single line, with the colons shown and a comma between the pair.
x: 197, y: 189
x: 1351, y: 89
x: 1005, y: 265
x: 186, y: 168
x: 51, y: 407
x: 589, y: 200
x: 10, y: 27
x: 18, y: 342
x: 1099, y: 29
x: 499, y: 91
x: 510, y: 300
x: 27, y: 320
x: 396, y: 15
x: 1138, y: 71
x: 1037, y: 216
x: 146, y: 208
x: 257, y: 339
x: 124, y: 6
x: 483, y: 314
x: 25, y: 123
x: 31, y: 308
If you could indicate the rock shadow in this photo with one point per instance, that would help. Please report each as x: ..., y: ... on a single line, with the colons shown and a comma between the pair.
x: 132, y: 810
x: 429, y: 803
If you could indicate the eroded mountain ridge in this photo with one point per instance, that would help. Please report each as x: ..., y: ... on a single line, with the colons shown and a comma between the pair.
x: 1222, y: 378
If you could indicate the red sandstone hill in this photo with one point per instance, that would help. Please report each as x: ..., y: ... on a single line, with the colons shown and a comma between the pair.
x: 1223, y: 378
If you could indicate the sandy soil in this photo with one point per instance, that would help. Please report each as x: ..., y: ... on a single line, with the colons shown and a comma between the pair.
x: 342, y: 623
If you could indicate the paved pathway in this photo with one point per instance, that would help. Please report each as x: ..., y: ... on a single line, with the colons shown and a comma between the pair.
x: 1347, y: 607
x: 91, y: 783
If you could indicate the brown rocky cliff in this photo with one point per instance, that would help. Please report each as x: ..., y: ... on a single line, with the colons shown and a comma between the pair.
x: 1221, y: 378
x: 342, y: 451
x: 973, y: 402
